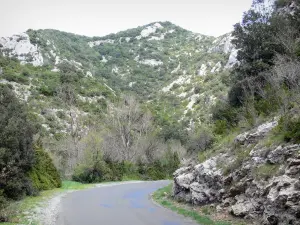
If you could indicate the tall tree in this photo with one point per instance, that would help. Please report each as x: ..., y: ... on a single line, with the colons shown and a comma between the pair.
x: 255, y: 39
x: 16, y: 151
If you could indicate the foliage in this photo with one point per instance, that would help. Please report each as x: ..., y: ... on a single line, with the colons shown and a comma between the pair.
x: 16, y: 152
x: 97, y: 173
x: 44, y: 175
x: 118, y: 171
x: 254, y: 37
x: 289, y: 128
x: 225, y: 117
x: 3, y: 206
x: 200, y: 141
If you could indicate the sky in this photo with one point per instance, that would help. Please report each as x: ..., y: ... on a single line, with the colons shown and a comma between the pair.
x: 102, y: 17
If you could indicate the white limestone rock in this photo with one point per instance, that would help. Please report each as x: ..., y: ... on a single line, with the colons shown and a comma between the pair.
x: 99, y: 42
x: 149, y: 30
x: 19, y: 46
x: 203, y: 70
x: 216, y: 68
x: 232, y: 60
x: 151, y: 62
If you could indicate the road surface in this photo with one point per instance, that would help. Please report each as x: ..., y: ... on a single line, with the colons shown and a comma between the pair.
x: 120, y: 204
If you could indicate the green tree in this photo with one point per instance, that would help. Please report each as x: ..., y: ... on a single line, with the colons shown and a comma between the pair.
x: 255, y: 39
x: 16, y: 151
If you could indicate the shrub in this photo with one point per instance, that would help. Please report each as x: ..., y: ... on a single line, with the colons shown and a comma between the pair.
x: 47, y: 90
x: 290, y: 128
x: 197, y: 89
x: 200, y: 142
x: 175, y: 86
x: 12, y: 76
x: 93, y: 173
x: 223, y: 111
x: 44, y: 175
x: 220, y: 127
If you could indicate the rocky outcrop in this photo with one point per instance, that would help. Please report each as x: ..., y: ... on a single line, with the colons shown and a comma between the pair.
x: 200, y: 184
x: 19, y: 46
x: 258, y: 133
x: 244, y: 192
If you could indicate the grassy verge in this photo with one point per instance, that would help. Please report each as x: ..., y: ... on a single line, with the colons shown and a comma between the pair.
x: 24, y: 211
x: 200, y: 214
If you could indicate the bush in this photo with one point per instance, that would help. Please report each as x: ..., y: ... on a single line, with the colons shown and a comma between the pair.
x: 197, y: 89
x: 98, y: 172
x: 12, y: 76
x: 174, y: 87
x: 223, y: 111
x: 44, y: 175
x: 200, y: 142
x: 290, y: 128
x: 47, y: 90
x: 220, y: 127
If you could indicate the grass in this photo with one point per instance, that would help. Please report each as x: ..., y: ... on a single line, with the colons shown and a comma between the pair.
x: 19, y: 211
x: 72, y: 185
x: 162, y: 196
x: 240, y: 156
x: 266, y: 171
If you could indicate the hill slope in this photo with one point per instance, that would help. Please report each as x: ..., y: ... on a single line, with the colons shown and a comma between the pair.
x: 151, y: 61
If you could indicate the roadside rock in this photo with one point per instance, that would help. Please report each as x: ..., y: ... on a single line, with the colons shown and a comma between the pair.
x: 280, y: 154
x: 245, y: 207
x: 272, y: 199
x: 201, y: 186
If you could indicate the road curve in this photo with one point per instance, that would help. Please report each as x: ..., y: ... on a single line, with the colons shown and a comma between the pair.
x: 118, y: 204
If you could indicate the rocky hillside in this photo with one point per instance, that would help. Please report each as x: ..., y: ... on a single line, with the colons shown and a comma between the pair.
x: 159, y: 62
x: 252, y: 171
x: 250, y: 179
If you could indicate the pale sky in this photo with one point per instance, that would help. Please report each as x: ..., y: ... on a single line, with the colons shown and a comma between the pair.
x: 101, y: 17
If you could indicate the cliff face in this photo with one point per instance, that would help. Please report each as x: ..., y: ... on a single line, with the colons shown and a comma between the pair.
x: 250, y: 179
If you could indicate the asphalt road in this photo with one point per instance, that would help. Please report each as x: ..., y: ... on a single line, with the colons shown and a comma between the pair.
x: 124, y: 204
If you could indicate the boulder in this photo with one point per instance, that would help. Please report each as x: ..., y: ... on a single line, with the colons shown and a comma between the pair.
x: 202, y: 185
x: 244, y: 208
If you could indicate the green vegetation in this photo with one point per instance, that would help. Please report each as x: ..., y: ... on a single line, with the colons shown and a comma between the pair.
x: 17, y: 155
x: 44, y: 175
x: 289, y: 129
x: 73, y: 185
x: 265, y: 171
x: 24, y: 171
